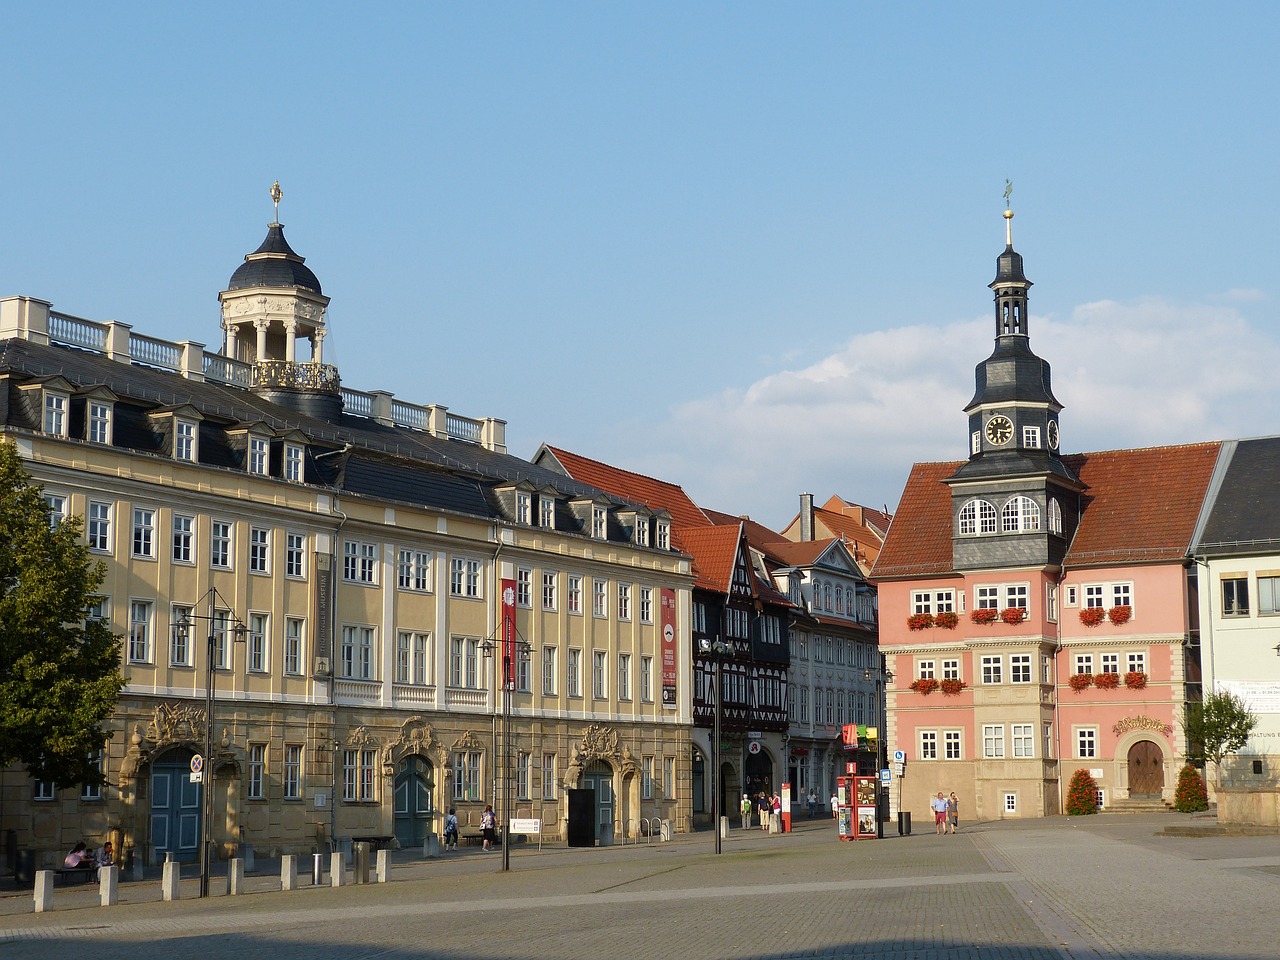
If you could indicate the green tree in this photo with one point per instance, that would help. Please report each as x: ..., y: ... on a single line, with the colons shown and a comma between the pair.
x: 1217, y: 727
x: 59, y: 675
x: 1082, y: 794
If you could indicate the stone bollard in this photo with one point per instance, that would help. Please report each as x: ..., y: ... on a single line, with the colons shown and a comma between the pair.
x: 137, y: 870
x: 108, y: 885
x: 246, y: 854
x: 360, y: 863
x: 724, y: 828
x: 44, y: 890
x: 430, y: 846
x: 337, y: 869
x: 665, y: 833
x: 289, y: 872
x: 235, y: 877
x: 169, y: 880
x: 383, y: 869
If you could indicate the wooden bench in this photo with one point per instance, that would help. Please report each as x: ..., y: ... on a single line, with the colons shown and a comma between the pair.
x: 84, y: 874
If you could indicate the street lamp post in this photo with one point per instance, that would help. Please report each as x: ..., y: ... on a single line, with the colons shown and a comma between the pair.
x: 882, y: 676
x: 206, y: 782
x: 508, y: 684
x: 718, y: 649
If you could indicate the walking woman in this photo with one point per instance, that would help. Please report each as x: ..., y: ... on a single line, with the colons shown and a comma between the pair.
x: 953, y: 812
x: 488, y: 826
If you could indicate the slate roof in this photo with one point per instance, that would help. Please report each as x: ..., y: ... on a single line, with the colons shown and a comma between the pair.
x: 391, y: 463
x: 1138, y: 506
x: 274, y: 264
x: 1244, y: 514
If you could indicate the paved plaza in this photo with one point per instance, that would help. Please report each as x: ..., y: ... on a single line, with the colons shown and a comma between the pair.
x: 1103, y: 886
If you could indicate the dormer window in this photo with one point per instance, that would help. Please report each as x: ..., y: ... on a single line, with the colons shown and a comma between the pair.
x: 975, y: 442
x: 663, y: 534
x: 642, y: 532
x: 524, y: 508
x: 259, y: 456
x: 185, y: 440
x: 547, y: 511
x: 55, y: 414
x: 99, y: 422
x: 293, y: 457
x: 599, y: 523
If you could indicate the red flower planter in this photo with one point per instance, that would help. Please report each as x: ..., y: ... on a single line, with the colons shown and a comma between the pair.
x: 1092, y: 616
x: 1107, y: 681
x: 1135, y: 680
x: 924, y: 685
x: 1120, y: 614
x: 1079, y: 681
x: 920, y: 621
x: 946, y: 620
x: 984, y: 615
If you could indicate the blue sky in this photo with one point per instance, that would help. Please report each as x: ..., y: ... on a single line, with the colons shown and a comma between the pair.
x: 740, y: 246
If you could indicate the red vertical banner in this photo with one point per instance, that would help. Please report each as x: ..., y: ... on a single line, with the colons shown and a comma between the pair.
x: 667, y: 609
x: 509, y: 634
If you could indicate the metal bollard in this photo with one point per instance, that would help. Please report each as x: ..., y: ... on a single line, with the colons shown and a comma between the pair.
x: 317, y: 869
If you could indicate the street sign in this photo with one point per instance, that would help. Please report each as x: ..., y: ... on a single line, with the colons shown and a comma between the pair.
x: 899, y: 769
x: 197, y: 769
x: 885, y: 776
x: 899, y: 756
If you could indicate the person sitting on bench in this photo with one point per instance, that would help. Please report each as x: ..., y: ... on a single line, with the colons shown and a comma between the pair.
x: 79, y: 858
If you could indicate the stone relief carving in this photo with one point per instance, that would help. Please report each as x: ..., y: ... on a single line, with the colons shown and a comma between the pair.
x: 361, y: 737
x: 173, y: 723
x: 468, y: 741
x: 600, y: 742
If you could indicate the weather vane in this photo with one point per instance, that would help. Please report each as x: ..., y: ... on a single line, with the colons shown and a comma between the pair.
x: 1008, y: 191
x: 277, y: 193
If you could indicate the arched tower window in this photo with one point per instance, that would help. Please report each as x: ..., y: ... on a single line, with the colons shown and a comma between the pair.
x: 839, y: 599
x: 826, y: 597
x: 977, y: 517
x: 1055, y: 516
x: 1020, y: 514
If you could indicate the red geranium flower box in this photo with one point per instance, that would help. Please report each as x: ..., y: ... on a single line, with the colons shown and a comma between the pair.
x: 1080, y: 681
x: 952, y: 686
x: 924, y: 685
x: 1120, y: 614
x: 920, y: 621
x: 1107, y: 681
x: 947, y: 620
x: 1092, y: 616
x: 984, y: 615
x: 1135, y: 679
x: 1013, y: 615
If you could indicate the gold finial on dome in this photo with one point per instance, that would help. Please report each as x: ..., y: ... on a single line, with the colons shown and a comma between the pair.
x: 276, y: 194
x: 1008, y: 213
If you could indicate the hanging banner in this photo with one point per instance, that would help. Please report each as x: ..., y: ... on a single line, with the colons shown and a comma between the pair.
x: 322, y: 640
x: 509, y: 634
x: 849, y: 733
x: 667, y: 610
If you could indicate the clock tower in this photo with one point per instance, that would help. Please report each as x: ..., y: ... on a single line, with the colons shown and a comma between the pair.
x: 1014, y: 503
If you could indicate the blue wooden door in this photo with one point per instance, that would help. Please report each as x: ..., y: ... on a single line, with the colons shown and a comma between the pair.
x: 175, y: 808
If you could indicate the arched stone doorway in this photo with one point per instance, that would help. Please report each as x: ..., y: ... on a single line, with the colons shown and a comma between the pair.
x: 174, y: 807
x: 414, y: 804
x: 1146, y: 769
x: 758, y: 774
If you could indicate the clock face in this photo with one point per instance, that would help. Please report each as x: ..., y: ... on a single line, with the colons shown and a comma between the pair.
x: 999, y: 430
x: 1053, y: 434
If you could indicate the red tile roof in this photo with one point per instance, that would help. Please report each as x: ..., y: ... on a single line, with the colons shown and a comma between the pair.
x: 799, y: 554
x: 654, y: 494
x: 714, y: 550
x: 1138, y: 506
x: 757, y: 533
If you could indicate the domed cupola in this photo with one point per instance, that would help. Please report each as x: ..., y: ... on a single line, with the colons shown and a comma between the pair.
x: 272, y: 302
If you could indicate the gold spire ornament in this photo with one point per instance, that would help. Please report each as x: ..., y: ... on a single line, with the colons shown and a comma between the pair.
x: 277, y: 193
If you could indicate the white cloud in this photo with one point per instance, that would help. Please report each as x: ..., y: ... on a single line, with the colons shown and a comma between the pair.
x: 1138, y: 373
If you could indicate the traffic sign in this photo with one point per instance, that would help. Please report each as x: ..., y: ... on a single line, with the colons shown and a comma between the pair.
x: 197, y: 763
x: 885, y: 775
x: 899, y: 756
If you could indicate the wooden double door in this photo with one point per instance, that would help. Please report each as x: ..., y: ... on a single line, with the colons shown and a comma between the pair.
x: 1146, y: 770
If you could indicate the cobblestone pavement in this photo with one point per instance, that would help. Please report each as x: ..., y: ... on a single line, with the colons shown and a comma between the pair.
x: 1104, y: 886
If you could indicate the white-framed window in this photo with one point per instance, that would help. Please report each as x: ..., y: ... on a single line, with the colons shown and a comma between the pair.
x: 141, y: 613
x: 548, y: 776
x: 55, y: 414
x: 220, y: 544
x: 1093, y: 595
x: 99, y: 429
x: 1055, y: 516
x: 1046, y: 741
x: 180, y: 629
x: 98, y: 526
x: 1110, y: 663
x: 259, y: 550
x: 259, y: 631
x: 924, y: 669
x: 975, y: 442
x: 356, y: 654
x: 464, y: 578
x: 221, y: 628
x: 1031, y: 437
x: 573, y: 600
x: 624, y: 676
x: 1235, y: 596
x: 992, y: 668
x: 257, y: 769
x: 546, y: 511
x: 413, y: 657
x: 415, y: 570
x: 646, y: 778
x: 183, y: 538
x: 1051, y: 602
x: 464, y: 662
x: 928, y: 744
x: 524, y: 774
x: 1071, y: 597
x: 466, y: 775
x: 993, y: 741
x: 1017, y: 595
x: 599, y: 523
x: 1019, y: 668
x: 987, y: 597
x: 804, y: 705
x: 550, y: 597
x: 663, y: 534
x: 549, y: 671
x: 932, y: 601
x: 951, y: 669
x: 259, y: 456
x: 358, y: 769
x: 44, y: 790
x: 523, y: 674
x: 295, y: 556
x: 295, y: 639
x: 1268, y: 593
x: 1084, y: 663
x: 144, y: 532
x: 669, y: 777
x: 624, y: 601
x: 1010, y: 803
x: 93, y: 791
x: 1136, y: 662
x: 294, y: 454
x: 599, y: 598
x: 641, y: 532
x: 599, y: 675
x: 55, y: 506
x: 186, y: 440
x: 646, y: 678
x: 1020, y: 514
x: 977, y: 517
x: 951, y: 742
x: 360, y: 562
x: 1086, y: 742
x: 1121, y: 594
x: 524, y: 587
x: 575, y: 672
x: 1024, y: 739
x: 293, y: 771
x: 524, y: 508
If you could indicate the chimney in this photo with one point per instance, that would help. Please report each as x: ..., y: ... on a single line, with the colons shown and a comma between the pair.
x: 806, y: 517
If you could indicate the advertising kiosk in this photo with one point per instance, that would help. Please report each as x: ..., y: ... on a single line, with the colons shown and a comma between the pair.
x: 856, y: 807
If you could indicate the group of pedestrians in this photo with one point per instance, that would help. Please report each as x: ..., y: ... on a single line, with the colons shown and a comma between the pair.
x: 764, y: 804
x: 946, y: 812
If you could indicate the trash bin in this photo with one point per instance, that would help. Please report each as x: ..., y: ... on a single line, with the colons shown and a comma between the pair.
x: 904, y: 823
x: 24, y: 870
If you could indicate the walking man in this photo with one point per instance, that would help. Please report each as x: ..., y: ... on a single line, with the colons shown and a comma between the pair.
x: 745, y: 808
x: 939, y: 806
